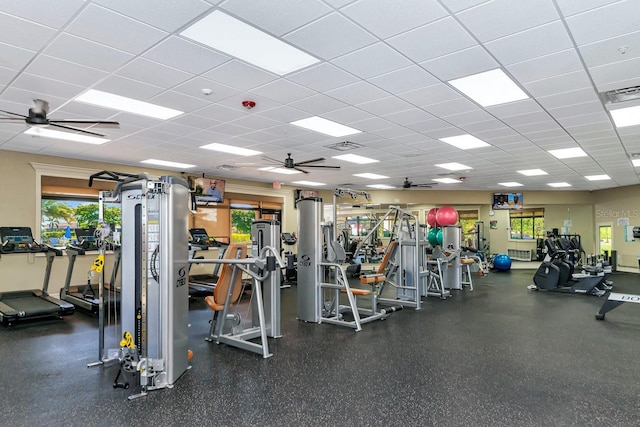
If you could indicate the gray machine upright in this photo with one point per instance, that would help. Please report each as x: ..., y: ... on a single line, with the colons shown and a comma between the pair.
x: 154, y: 299
x: 452, y: 276
x: 267, y: 233
x: 309, y: 256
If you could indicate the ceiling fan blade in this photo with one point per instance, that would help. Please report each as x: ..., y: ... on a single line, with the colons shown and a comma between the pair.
x: 13, y: 114
x: 301, y: 170
x: 319, y: 159
x: 12, y: 119
x: 76, y: 130
x: 321, y: 166
x: 279, y: 162
x: 96, y: 123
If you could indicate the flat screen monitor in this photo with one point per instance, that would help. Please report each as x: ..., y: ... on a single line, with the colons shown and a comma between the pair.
x: 207, y: 191
x: 511, y: 201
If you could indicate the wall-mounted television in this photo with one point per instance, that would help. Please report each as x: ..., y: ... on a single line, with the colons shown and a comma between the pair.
x: 507, y: 201
x: 207, y: 191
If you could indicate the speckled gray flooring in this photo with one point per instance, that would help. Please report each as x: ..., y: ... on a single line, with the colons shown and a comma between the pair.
x: 498, y: 356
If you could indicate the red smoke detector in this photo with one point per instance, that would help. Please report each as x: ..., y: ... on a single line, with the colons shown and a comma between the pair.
x: 248, y: 104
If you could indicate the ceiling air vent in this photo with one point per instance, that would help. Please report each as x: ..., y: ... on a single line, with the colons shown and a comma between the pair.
x: 622, y: 95
x: 344, y: 146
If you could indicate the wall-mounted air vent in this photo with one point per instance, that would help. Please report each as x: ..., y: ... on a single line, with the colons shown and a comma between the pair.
x: 344, y: 146
x: 622, y: 95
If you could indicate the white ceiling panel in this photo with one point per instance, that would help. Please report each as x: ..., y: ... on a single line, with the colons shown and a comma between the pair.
x: 14, y: 57
x: 179, y: 101
x: 283, y: 91
x: 194, y: 87
x: 605, y: 22
x: 170, y: 17
x: 544, y: 67
x: 569, y: 98
x: 426, y: 42
x: 572, y: 7
x: 53, y: 14
x: 616, y: 75
x: 25, y: 34
x: 404, y: 79
x: 185, y: 55
x: 385, y: 19
x: 576, y: 110
x: 97, y: 23
x: 409, y: 116
x: 372, y: 61
x: 323, y: 77
x: 542, y: 40
x: 357, y: 93
x: 88, y: 53
x: 612, y: 50
x: 150, y: 72
x: 458, y: 5
x: 460, y: 64
x: 126, y: 87
x: 385, y: 106
x: 470, y: 117
x: 514, y: 108
x: 558, y: 84
x: 43, y: 87
x: 278, y: 17
x: 431, y: 95
x: 318, y: 104
x: 330, y: 37
x: 6, y: 75
x: 239, y: 75
x: 500, y: 18
x: 57, y: 69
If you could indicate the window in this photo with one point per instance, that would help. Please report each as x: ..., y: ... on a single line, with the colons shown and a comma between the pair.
x: 527, y: 224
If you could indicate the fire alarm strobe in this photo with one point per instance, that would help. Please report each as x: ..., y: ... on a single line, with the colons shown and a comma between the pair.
x: 248, y: 104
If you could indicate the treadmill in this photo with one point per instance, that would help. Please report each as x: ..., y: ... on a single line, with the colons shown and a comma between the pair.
x: 86, y: 296
x: 203, y: 284
x: 34, y: 303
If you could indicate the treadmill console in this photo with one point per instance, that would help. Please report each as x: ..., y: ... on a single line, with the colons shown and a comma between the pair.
x: 86, y: 238
x: 16, y: 240
x: 201, y: 239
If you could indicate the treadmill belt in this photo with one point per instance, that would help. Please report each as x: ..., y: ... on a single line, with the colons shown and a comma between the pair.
x: 32, y: 305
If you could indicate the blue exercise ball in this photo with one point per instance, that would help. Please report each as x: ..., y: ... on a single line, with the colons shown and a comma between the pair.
x: 502, y: 262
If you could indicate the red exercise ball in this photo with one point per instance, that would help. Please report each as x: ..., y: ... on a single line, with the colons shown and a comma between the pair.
x: 431, y: 217
x: 447, y: 215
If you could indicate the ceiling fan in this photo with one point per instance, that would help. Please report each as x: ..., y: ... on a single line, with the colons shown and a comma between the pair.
x: 409, y: 184
x: 38, y: 117
x: 289, y: 163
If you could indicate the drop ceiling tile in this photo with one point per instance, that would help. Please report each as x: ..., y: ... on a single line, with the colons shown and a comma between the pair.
x: 178, y: 101
x: 278, y: 17
x: 474, y: 127
x: 338, y: 3
x: 53, y: 14
x: 126, y: 87
x: 97, y: 23
x: 409, y: 116
x: 605, y: 22
x: 460, y: 64
x: 568, y: 98
x: 14, y: 57
x: 283, y: 91
x: 469, y: 117
x: 283, y: 113
x: 543, y: 67
x: 576, y: 110
x: 448, y: 108
x: 318, y: 104
x: 41, y: 86
x: 587, y: 128
x: 572, y: 7
x: 384, y: 106
x: 500, y: 18
x: 6, y: 75
x: 539, y: 41
x: 558, y: 84
x: 322, y: 77
x: 373, y: 124
x: 255, y: 122
x: 88, y: 53
x: 150, y: 72
x: 428, y: 125
x: 57, y: 69
x: 430, y: 95
x: 168, y: 16
x: 426, y: 42
x: 191, y: 120
x: 403, y: 80
x: 372, y: 61
x: 386, y: 19
x: 606, y: 51
x: 239, y: 75
x: 617, y: 75
x: 185, y: 55
x: 330, y: 37
x: 357, y: 93
x: 220, y: 113
x: 194, y: 87
x: 25, y: 34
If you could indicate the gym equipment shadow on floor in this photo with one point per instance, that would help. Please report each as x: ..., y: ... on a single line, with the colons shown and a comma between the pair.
x: 498, y: 356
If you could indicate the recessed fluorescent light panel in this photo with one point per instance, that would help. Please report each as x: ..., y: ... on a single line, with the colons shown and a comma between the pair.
x: 636, y: 162
x: 598, y: 177
x: 122, y: 103
x: 230, y: 149
x: 447, y: 180
x: 532, y: 172
x: 568, y: 153
x: 510, y: 184
x: 624, y: 117
x: 489, y: 88
x: 280, y: 170
x: 168, y: 163
x: 236, y: 38
x: 325, y: 126
x: 464, y: 142
x: 454, y: 166
x: 354, y: 158
x: 559, y: 184
x: 67, y: 136
x: 370, y: 175
x: 381, y: 186
x: 309, y: 183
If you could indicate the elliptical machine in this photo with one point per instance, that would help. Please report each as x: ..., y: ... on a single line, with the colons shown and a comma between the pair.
x: 556, y: 274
